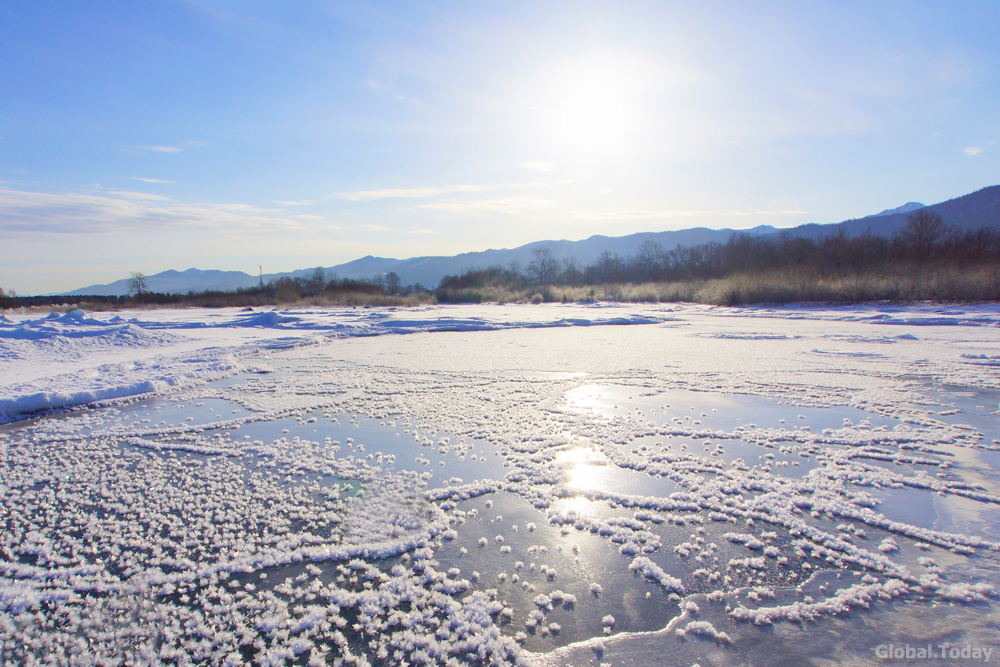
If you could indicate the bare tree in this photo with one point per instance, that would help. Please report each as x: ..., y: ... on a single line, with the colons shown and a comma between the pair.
x: 392, y: 283
x: 512, y: 276
x: 609, y: 267
x: 137, y: 283
x: 315, y: 283
x: 649, y: 258
x: 544, y: 268
x: 571, y: 274
x: 922, y: 232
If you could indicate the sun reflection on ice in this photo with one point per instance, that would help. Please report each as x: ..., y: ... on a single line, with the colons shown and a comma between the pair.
x: 590, y: 398
x: 585, y: 468
x: 582, y: 505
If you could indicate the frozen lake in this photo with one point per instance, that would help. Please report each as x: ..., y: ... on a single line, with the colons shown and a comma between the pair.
x: 550, y: 485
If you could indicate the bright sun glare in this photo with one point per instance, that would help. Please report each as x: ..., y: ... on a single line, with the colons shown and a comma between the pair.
x: 593, y: 117
x: 584, y: 467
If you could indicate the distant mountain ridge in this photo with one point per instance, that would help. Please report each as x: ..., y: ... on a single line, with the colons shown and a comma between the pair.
x: 177, y: 282
x: 426, y: 271
x: 971, y: 211
x: 905, y: 208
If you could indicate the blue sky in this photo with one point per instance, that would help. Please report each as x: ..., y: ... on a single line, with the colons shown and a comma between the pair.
x: 156, y: 135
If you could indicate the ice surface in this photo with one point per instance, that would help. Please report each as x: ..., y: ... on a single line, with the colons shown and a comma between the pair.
x: 508, y: 484
x: 73, y: 359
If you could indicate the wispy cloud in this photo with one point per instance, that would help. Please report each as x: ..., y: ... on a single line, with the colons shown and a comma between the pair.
x: 638, y: 214
x: 161, y: 149
x: 306, y: 216
x: 292, y: 203
x: 538, y: 166
x: 389, y: 193
x: 377, y: 228
x: 138, y: 196
x: 972, y: 150
x: 26, y: 212
x: 509, y: 205
x: 408, y: 193
x: 150, y: 180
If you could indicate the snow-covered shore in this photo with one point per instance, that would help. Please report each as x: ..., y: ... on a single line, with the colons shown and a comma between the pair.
x: 76, y: 358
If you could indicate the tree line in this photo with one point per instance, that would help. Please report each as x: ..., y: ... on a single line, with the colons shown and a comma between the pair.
x: 925, y: 240
x: 320, y: 287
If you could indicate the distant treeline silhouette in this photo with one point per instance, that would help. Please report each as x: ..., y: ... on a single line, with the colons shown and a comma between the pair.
x: 318, y: 288
x: 923, y: 252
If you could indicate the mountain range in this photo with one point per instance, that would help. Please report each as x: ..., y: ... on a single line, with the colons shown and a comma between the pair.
x: 971, y: 211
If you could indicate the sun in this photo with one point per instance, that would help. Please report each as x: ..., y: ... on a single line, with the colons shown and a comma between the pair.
x: 593, y: 117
